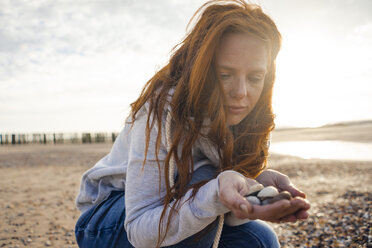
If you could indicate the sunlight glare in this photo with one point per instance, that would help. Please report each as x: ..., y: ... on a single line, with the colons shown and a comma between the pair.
x: 313, y: 84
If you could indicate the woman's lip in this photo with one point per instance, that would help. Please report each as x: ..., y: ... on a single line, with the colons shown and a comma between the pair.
x: 236, y: 109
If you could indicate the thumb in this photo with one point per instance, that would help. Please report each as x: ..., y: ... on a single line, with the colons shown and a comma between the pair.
x: 246, y: 208
x: 294, y: 191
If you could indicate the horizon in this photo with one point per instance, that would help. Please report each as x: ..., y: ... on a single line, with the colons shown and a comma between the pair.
x: 76, y: 66
x: 82, y: 132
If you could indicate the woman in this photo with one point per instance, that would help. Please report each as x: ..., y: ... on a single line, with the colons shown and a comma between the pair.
x: 195, y: 142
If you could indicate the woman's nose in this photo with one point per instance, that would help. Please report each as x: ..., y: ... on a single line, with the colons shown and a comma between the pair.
x: 239, y: 88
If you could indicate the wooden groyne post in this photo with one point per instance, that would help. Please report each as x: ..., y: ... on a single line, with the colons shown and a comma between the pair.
x: 56, y: 138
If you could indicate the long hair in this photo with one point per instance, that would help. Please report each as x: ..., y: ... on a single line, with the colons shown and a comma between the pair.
x: 193, y: 76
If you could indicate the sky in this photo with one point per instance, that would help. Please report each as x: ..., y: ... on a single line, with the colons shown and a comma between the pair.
x: 75, y: 66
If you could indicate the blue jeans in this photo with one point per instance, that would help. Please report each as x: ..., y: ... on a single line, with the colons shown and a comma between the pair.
x: 102, y: 226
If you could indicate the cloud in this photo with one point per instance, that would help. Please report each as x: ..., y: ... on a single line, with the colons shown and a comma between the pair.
x: 88, y: 56
x: 45, y: 32
x: 69, y: 56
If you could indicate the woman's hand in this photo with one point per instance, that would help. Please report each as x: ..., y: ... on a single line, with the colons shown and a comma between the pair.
x: 233, y: 187
x: 279, y: 181
x: 282, y: 182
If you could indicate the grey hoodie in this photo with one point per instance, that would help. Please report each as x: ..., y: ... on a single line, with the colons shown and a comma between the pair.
x: 122, y: 169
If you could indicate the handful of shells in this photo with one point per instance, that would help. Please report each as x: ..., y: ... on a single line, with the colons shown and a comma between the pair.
x: 260, y: 195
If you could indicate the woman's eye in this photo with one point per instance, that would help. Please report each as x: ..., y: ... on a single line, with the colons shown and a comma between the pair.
x: 256, y: 79
x: 225, y: 76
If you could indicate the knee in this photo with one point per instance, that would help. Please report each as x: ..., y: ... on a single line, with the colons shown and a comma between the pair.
x: 265, y: 234
x: 256, y: 233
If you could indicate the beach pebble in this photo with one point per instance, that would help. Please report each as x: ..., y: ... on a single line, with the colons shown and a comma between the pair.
x: 254, y: 189
x: 268, y: 191
x: 10, y: 206
x: 282, y: 195
x: 253, y: 200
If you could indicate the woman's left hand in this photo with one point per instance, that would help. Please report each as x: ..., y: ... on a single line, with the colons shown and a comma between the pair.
x: 282, y: 182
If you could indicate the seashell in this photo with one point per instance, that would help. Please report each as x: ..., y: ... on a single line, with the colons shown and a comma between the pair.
x: 269, y: 191
x: 254, y: 189
x: 282, y: 195
x: 253, y: 200
x: 267, y: 201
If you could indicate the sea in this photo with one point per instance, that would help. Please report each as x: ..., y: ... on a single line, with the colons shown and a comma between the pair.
x: 330, y: 149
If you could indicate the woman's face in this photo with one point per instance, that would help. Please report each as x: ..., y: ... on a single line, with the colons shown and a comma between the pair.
x: 242, y: 63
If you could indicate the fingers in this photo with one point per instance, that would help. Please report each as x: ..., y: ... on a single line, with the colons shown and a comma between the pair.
x: 271, y: 212
x: 290, y: 218
x: 302, y: 215
x: 280, y: 211
x: 299, y: 206
x: 240, y: 207
x: 283, y: 182
x: 304, y: 206
x: 231, y: 199
x: 299, y: 215
x: 283, y: 210
x: 242, y: 211
x: 232, y: 188
x: 294, y: 191
x: 300, y: 203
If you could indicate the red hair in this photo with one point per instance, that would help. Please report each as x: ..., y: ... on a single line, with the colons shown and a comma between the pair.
x: 198, y: 95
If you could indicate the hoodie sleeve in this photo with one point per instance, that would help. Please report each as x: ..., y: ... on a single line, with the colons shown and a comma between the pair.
x: 144, y: 196
x: 107, y: 175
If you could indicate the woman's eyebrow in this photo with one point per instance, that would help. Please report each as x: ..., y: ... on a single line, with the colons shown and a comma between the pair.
x: 230, y: 68
x: 226, y: 67
x: 259, y: 71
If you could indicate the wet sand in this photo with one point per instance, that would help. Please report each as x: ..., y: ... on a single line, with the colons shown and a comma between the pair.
x: 38, y: 185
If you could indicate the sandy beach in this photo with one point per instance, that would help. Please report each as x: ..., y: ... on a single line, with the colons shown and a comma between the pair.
x: 38, y: 185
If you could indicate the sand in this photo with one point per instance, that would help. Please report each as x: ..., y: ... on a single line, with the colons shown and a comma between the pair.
x: 38, y: 185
